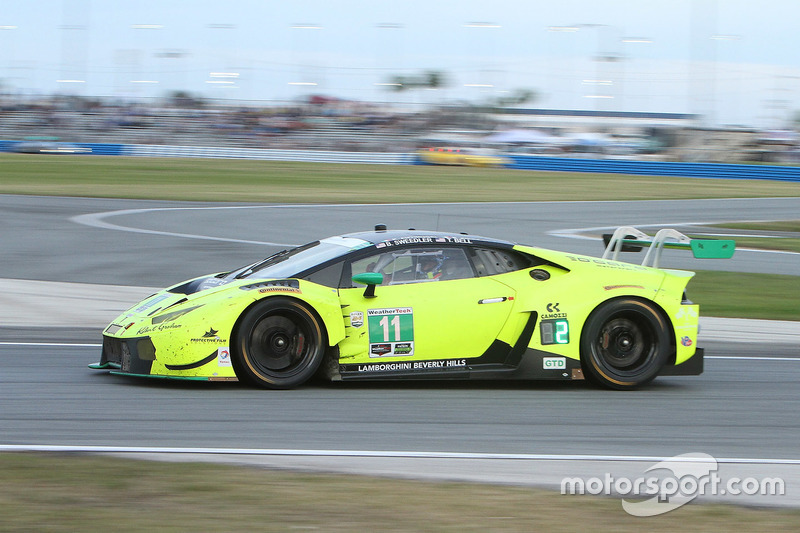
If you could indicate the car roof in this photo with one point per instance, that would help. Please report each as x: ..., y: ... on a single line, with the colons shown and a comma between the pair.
x: 388, y: 237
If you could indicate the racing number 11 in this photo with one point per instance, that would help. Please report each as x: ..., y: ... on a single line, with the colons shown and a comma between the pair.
x: 384, y: 323
x: 390, y: 325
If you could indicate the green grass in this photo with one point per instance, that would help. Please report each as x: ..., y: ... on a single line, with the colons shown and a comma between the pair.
x: 785, y: 244
x: 777, y: 226
x: 54, y: 493
x: 746, y: 295
x: 278, y: 182
x: 783, y: 235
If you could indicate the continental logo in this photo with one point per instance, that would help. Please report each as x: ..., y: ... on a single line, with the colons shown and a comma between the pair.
x: 280, y: 289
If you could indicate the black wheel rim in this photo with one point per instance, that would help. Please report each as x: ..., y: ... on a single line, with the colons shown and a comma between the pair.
x: 624, y: 344
x: 280, y: 344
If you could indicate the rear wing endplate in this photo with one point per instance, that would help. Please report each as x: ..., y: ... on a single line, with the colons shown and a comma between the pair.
x: 629, y: 239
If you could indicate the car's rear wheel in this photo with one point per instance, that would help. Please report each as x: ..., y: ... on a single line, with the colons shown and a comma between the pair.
x: 280, y: 343
x: 624, y: 344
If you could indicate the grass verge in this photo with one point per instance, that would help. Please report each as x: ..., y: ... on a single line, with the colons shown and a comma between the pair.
x: 46, y: 493
x: 780, y: 235
x: 281, y: 181
x: 746, y: 295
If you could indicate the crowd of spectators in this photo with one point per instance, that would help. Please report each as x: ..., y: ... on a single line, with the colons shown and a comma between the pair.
x: 322, y: 123
x: 314, y: 124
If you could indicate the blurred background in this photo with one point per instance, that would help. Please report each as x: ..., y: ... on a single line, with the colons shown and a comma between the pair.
x: 685, y: 80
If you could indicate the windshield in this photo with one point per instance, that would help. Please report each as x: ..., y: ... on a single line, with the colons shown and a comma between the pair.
x: 290, y: 263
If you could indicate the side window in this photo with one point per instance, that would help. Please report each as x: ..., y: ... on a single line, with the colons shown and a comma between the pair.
x: 328, y: 276
x: 489, y: 262
x: 417, y: 265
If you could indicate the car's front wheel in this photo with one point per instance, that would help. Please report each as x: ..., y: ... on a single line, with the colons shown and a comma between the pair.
x: 280, y: 343
x: 624, y: 344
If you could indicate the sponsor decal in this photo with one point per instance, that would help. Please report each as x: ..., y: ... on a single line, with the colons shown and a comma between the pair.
x: 686, y: 341
x: 377, y: 350
x: 390, y: 311
x: 553, y: 312
x: 686, y: 312
x: 158, y: 328
x: 356, y: 319
x: 210, y: 336
x: 223, y: 356
x: 554, y: 363
x: 603, y: 263
x: 280, y: 289
x: 441, y: 364
x: 403, y: 348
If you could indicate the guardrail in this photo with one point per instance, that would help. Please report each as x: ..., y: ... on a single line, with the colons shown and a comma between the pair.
x: 657, y: 168
x: 519, y: 162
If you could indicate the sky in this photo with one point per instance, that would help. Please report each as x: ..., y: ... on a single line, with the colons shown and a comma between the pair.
x: 731, y: 61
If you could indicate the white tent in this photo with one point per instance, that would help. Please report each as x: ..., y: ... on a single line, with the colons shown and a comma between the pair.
x: 519, y: 136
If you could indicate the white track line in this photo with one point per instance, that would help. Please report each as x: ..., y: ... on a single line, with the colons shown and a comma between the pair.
x: 52, y: 344
x: 745, y: 358
x: 378, y: 454
x: 95, y: 220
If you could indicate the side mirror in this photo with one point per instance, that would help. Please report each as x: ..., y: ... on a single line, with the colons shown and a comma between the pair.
x: 370, y: 279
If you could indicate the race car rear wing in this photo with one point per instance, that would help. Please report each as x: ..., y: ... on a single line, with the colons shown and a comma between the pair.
x: 629, y: 239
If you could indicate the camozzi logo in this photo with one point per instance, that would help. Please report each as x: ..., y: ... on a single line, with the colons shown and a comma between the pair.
x: 672, y: 483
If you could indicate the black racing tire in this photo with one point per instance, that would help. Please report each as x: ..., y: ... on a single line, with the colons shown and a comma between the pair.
x: 624, y: 344
x: 280, y: 343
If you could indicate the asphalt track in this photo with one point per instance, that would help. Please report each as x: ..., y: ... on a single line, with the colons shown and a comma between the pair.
x: 742, y: 410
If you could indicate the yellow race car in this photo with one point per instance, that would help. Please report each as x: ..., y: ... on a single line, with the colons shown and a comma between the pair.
x: 471, y: 157
x: 412, y: 304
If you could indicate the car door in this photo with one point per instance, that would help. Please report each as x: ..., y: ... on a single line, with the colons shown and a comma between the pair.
x: 417, y: 315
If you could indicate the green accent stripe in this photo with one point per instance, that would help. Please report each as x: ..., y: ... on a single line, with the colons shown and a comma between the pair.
x: 157, y: 376
x: 103, y: 366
